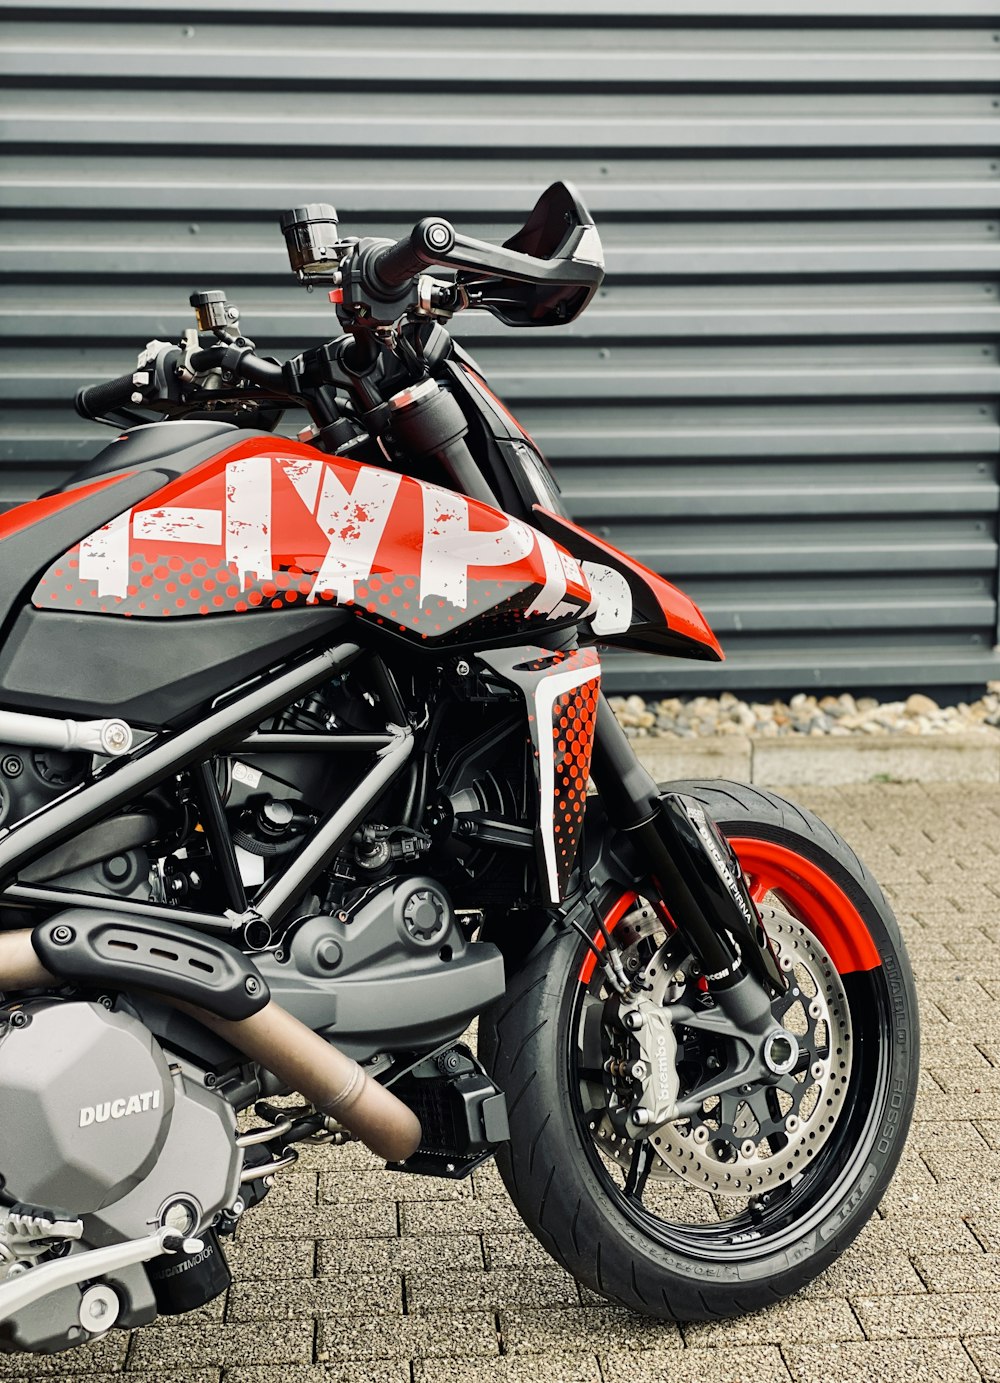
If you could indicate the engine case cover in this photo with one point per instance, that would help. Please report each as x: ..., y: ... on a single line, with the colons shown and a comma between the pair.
x: 86, y: 1100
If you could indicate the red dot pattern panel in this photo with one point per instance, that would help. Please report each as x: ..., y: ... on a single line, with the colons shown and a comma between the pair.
x: 574, y: 714
x: 173, y: 555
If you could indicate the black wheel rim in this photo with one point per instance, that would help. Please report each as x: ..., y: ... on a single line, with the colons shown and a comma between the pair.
x: 774, y: 1221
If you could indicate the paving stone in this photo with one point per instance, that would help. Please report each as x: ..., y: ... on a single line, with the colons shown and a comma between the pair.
x: 500, y: 1288
x: 360, y: 1218
x: 910, y: 1361
x: 598, y: 1328
x: 962, y: 1136
x: 200, y: 1376
x: 966, y: 1086
x: 515, y: 1251
x: 985, y: 1228
x: 990, y: 1130
x: 937, y: 1314
x: 462, y: 1217
x: 104, y: 1356
x: 385, y: 1371
x: 379, y: 1185
x: 985, y: 1352
x: 951, y: 1046
x: 486, y: 1183
x: 467, y: 1334
x: 937, y: 1107
x: 307, y: 1297
x: 912, y: 1171
x: 559, y: 1368
x: 958, y: 1272
x: 30, y: 1370
x: 291, y: 1342
x: 744, y: 1365
x: 437, y: 1252
x: 957, y: 994
x: 270, y: 1258
x: 945, y: 1204
x: 799, y: 1318
x: 964, y: 1166
x: 874, y: 1265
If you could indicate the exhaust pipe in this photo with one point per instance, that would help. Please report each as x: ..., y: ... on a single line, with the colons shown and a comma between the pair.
x: 20, y: 967
x: 300, y: 1058
x: 329, y: 1079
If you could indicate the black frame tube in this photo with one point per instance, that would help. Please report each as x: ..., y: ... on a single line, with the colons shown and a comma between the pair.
x: 217, y: 832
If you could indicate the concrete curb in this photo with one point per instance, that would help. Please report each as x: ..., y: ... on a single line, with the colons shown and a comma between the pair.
x: 816, y: 762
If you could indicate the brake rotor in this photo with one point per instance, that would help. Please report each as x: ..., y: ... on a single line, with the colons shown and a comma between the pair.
x: 762, y: 1136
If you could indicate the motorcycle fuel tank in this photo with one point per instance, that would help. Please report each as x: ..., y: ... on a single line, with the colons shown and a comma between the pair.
x: 271, y: 524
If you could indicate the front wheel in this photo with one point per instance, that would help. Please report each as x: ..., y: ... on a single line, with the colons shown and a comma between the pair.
x: 759, y: 1187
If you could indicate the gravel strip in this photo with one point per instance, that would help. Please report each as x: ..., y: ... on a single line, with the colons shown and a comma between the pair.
x: 701, y: 716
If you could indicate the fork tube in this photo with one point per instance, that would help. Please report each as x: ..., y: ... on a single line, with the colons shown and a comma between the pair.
x: 632, y: 802
x: 630, y: 796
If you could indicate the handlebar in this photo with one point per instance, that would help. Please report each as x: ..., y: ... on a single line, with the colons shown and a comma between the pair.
x: 97, y: 400
x: 426, y: 243
x: 242, y: 361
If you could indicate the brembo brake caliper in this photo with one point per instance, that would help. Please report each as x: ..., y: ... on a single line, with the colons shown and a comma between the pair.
x: 700, y: 880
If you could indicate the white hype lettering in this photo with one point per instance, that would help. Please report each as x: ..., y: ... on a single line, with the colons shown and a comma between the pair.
x: 248, y: 519
x: 353, y: 522
x: 104, y: 557
x: 451, y: 547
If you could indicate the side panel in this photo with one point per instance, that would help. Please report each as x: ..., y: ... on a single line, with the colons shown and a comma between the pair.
x: 268, y: 526
x: 561, y: 692
x: 94, y: 665
x: 645, y: 612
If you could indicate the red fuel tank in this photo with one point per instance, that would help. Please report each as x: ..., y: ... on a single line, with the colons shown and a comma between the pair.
x: 270, y: 524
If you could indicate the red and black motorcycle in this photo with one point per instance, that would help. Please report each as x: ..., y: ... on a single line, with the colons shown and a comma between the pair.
x: 296, y: 754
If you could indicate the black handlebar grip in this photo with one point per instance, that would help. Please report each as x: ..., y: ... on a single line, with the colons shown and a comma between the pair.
x: 427, y: 243
x: 99, y: 399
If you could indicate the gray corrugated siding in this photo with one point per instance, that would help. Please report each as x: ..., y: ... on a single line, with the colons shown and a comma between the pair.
x: 785, y: 397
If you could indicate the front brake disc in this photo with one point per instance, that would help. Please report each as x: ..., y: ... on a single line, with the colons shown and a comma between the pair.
x: 760, y: 1136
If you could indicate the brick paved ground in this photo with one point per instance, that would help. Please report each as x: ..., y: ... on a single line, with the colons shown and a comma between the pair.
x: 348, y: 1274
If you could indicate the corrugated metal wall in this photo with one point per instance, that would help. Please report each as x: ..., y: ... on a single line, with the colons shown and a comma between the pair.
x: 785, y: 397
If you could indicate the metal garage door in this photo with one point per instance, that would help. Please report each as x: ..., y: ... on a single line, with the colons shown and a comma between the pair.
x: 785, y: 397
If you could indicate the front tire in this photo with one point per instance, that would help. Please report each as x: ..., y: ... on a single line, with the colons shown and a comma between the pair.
x: 693, y: 1254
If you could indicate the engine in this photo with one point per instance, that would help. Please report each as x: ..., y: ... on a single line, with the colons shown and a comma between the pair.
x: 97, y: 1130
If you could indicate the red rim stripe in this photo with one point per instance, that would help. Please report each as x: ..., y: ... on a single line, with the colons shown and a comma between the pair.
x: 812, y: 896
x: 809, y: 893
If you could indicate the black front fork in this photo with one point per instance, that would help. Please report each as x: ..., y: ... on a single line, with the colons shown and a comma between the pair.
x: 694, y: 872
